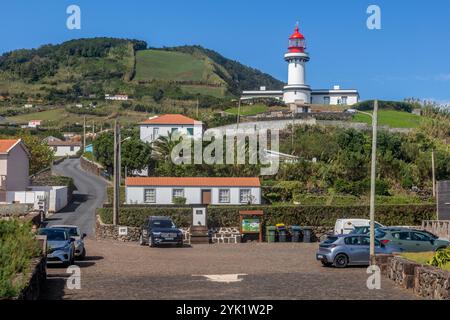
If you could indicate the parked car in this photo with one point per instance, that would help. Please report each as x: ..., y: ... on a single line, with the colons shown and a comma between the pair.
x: 410, y: 240
x: 75, y: 233
x: 160, y: 230
x: 60, y: 246
x: 351, y: 249
x: 346, y: 226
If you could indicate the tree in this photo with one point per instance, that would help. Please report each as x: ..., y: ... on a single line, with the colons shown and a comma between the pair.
x: 136, y: 155
x: 41, y: 155
x: 104, y: 150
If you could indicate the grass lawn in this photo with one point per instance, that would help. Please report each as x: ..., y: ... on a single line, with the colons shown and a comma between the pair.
x: 52, y: 115
x: 218, y: 92
x: 173, y: 66
x: 422, y: 258
x: 392, y: 118
x: 249, y: 110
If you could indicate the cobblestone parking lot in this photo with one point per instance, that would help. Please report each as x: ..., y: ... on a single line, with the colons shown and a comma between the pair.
x: 116, y: 270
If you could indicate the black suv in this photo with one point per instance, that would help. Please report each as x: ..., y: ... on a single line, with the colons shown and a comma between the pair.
x: 160, y: 230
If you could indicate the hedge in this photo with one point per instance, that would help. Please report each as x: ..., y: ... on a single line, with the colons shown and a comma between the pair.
x: 228, y: 216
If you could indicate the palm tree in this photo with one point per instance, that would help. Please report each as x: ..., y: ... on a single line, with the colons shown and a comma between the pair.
x: 163, y: 146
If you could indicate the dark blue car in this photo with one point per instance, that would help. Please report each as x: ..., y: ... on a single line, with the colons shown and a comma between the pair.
x: 160, y: 230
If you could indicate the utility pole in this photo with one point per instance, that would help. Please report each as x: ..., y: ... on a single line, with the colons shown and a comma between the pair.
x: 433, y: 169
x: 292, y: 134
x: 197, y: 108
x: 116, y: 173
x: 84, y: 134
x: 239, y: 113
x: 93, y: 127
x: 372, y: 182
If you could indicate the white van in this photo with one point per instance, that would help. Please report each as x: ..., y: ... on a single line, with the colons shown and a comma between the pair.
x: 346, y: 226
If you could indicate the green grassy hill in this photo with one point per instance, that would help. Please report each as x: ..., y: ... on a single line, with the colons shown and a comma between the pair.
x: 392, y: 118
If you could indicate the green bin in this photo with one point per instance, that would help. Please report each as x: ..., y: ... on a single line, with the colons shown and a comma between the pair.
x: 270, y: 234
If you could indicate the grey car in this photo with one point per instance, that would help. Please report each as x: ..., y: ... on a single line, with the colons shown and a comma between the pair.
x: 351, y: 249
x: 75, y: 233
x: 60, y: 246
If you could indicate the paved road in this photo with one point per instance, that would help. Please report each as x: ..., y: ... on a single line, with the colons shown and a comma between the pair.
x: 115, y: 270
x: 89, y: 196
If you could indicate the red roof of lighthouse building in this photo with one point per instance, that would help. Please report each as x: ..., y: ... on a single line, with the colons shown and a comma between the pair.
x: 171, y: 119
x: 297, y: 34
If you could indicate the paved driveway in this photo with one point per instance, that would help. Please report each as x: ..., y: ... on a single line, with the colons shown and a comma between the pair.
x: 116, y: 270
x: 89, y: 196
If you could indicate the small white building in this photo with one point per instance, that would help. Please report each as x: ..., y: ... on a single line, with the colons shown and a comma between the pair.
x: 117, y: 97
x: 65, y: 148
x: 151, y: 129
x: 196, y: 190
x: 335, y: 96
x: 34, y: 123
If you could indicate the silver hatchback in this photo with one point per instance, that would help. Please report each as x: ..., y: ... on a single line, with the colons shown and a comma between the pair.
x: 351, y: 249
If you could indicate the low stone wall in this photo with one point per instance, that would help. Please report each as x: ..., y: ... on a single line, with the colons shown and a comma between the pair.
x: 35, y: 280
x: 109, y: 231
x: 225, y: 235
x: 425, y: 281
x: 91, y: 167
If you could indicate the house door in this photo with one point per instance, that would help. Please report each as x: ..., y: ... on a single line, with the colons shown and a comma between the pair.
x: 206, y: 196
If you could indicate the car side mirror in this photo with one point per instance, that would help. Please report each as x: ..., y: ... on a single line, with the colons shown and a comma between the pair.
x: 432, y: 241
x: 84, y: 236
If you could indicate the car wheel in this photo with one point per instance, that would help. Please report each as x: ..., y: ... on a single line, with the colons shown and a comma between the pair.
x: 151, y: 243
x: 341, y: 261
x: 141, y: 240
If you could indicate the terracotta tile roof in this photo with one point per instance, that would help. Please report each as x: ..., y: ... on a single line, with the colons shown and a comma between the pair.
x: 171, y: 119
x: 7, y: 144
x: 193, y: 182
x: 63, y: 143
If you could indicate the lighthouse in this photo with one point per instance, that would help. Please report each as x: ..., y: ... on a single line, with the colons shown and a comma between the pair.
x: 296, y: 91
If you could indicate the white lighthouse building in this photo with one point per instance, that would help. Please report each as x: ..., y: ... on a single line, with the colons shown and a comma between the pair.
x: 297, y: 91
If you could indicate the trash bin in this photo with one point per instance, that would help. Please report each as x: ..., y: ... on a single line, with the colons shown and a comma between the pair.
x: 296, y: 230
x: 307, y: 233
x: 270, y: 234
x: 281, y: 228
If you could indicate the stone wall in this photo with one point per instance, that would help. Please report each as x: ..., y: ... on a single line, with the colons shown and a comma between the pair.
x: 109, y: 231
x: 225, y: 235
x: 90, y: 166
x: 35, y: 280
x: 425, y: 281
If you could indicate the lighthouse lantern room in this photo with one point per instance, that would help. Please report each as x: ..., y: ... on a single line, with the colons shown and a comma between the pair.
x: 296, y: 90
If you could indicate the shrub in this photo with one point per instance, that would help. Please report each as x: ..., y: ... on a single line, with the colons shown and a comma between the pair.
x: 17, y: 248
x: 228, y: 216
x: 440, y: 258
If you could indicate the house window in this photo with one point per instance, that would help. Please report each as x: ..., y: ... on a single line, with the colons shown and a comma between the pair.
x: 174, y: 130
x: 344, y: 100
x: 72, y: 148
x: 224, y: 195
x: 177, y: 193
x: 326, y: 100
x: 245, y: 195
x: 190, y: 131
x: 150, y: 195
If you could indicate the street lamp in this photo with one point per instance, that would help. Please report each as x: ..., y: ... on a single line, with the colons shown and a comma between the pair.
x: 374, y: 117
x: 117, y: 171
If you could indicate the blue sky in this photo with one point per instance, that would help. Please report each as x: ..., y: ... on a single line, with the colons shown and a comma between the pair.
x: 409, y: 56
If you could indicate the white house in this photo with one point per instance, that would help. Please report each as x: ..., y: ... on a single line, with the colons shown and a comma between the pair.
x: 335, y: 96
x: 65, y: 148
x: 151, y: 129
x: 14, y: 166
x: 196, y: 190
x: 34, y: 123
x: 117, y: 97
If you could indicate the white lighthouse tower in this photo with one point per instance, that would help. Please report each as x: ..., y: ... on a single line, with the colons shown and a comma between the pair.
x: 296, y: 90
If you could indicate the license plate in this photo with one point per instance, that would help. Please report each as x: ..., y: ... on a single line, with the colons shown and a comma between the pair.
x: 168, y: 239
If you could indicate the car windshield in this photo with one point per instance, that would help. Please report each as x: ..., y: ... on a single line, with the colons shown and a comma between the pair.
x: 73, y: 232
x: 330, y: 240
x: 54, y: 235
x: 162, y: 224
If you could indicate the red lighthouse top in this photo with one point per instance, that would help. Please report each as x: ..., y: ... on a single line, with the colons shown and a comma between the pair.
x: 297, y: 41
